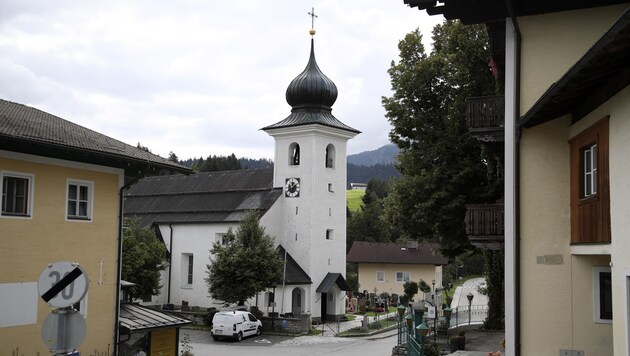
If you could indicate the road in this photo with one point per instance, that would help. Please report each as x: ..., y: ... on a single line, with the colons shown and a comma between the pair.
x: 265, y: 345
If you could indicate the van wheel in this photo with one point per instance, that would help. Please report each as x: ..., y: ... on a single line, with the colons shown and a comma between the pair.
x: 215, y: 338
x: 258, y: 331
x: 239, y: 337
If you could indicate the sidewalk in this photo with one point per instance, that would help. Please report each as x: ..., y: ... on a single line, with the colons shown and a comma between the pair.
x: 480, y: 342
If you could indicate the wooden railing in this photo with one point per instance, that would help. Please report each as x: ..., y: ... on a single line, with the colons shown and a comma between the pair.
x: 485, y: 112
x: 485, y: 224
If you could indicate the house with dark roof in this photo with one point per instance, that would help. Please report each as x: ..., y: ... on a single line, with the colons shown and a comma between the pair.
x: 62, y: 194
x: 190, y: 213
x: 301, y: 204
x: 384, y: 267
x: 566, y: 67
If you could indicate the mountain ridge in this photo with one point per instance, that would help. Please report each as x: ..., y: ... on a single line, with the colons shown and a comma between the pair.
x: 385, y: 155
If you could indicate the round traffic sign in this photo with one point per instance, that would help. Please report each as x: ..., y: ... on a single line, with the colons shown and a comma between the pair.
x: 63, y: 330
x: 62, y: 284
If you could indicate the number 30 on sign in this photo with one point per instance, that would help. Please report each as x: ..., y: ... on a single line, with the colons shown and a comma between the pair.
x: 62, y: 284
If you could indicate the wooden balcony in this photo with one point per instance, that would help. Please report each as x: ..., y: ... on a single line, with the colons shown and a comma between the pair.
x: 485, y: 225
x: 486, y: 118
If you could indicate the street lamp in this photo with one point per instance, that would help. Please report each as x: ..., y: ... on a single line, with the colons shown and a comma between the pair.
x: 409, y: 320
x: 447, y: 315
x: 434, y: 297
x: 422, y: 330
x: 470, y: 297
x: 401, y: 312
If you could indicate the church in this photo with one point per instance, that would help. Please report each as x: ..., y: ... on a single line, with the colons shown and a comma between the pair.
x: 301, y: 204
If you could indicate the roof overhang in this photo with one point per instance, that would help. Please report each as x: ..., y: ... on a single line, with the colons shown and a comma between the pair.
x: 133, y: 168
x: 600, y: 74
x: 485, y: 11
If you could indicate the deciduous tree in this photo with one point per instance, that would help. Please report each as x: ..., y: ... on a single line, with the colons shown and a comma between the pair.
x: 144, y: 256
x: 247, y: 264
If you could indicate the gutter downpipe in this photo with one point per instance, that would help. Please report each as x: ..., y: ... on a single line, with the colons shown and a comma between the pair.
x: 121, y: 199
x: 170, y: 265
x: 517, y: 138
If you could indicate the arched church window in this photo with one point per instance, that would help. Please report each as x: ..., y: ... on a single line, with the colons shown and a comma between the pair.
x: 294, y: 154
x: 270, y: 299
x: 330, y: 156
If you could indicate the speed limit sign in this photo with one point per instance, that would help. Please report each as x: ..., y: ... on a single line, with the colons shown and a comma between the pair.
x: 62, y: 284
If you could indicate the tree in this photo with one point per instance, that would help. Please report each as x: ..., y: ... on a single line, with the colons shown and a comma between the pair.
x: 368, y: 224
x: 442, y: 167
x: 247, y: 264
x: 217, y: 163
x: 144, y: 256
x: 410, y: 288
x: 173, y: 157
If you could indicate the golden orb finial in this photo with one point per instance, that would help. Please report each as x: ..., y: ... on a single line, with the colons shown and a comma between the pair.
x: 313, y: 16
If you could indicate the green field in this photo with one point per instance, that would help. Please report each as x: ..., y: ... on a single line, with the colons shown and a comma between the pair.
x: 354, y: 199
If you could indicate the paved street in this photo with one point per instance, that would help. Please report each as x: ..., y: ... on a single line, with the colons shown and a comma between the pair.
x: 203, y: 344
x: 470, y: 286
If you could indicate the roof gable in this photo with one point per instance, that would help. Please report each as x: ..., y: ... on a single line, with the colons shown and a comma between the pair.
x: 394, y: 253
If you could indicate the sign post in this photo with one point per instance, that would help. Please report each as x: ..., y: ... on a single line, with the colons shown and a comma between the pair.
x: 61, y: 285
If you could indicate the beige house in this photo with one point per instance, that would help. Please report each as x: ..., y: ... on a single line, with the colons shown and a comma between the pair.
x: 385, y: 267
x: 566, y: 66
x: 61, y: 201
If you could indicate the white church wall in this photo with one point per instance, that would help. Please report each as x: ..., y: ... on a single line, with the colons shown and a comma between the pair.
x: 190, y: 240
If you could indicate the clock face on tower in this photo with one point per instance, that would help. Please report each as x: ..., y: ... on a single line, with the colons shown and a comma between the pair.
x: 292, y: 187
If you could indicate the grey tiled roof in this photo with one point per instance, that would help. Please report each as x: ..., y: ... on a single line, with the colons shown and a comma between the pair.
x: 380, y: 252
x: 29, y: 130
x: 332, y: 279
x: 203, y: 197
x: 294, y: 273
x: 304, y: 117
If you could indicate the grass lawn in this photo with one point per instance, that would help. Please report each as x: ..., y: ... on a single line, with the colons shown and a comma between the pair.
x: 354, y: 199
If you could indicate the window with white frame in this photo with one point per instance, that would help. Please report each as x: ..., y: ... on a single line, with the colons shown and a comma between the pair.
x: 79, y: 200
x: 589, y: 171
x: 402, y: 277
x: 221, y: 238
x: 380, y: 276
x: 17, y: 194
x: 187, y: 270
x: 602, y: 298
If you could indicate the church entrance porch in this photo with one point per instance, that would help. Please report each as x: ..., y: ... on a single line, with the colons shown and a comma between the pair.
x: 332, y: 298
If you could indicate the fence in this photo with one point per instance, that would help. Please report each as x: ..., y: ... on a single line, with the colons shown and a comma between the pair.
x: 439, y: 333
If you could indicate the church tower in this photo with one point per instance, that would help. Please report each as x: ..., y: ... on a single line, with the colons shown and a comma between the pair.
x: 310, y: 165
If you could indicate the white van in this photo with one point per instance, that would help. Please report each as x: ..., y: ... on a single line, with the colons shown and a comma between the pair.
x: 235, y: 325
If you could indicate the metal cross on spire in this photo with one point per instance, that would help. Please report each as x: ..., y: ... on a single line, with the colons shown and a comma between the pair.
x: 313, y: 16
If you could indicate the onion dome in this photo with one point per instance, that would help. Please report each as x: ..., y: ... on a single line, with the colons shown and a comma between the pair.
x: 311, y: 88
x: 311, y: 95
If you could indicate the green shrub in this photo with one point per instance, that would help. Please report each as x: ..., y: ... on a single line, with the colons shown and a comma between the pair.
x: 207, y: 318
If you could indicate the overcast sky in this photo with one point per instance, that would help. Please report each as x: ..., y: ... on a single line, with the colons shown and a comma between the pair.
x: 200, y: 77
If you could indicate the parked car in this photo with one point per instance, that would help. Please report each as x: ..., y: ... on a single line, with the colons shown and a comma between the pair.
x: 235, y: 325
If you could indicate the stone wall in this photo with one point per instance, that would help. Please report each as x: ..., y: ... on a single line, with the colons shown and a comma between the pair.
x: 300, y: 324
x: 399, y: 350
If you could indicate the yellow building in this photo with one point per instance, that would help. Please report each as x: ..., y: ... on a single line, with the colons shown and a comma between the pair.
x: 385, y: 267
x: 566, y: 66
x: 61, y: 201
